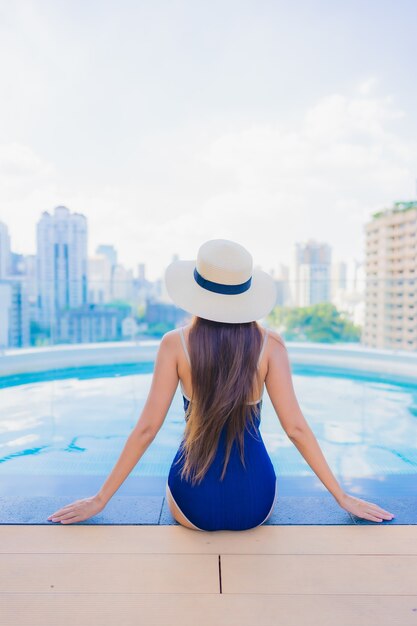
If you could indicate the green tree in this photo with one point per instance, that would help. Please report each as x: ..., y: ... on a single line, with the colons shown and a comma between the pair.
x: 321, y: 322
x: 140, y: 312
x: 159, y: 329
x: 39, y: 335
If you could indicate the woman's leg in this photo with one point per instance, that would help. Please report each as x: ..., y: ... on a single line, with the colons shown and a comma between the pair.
x: 176, y: 511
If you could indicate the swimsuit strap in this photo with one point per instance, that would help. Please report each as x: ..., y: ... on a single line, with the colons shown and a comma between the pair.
x: 263, y: 346
x: 184, y: 344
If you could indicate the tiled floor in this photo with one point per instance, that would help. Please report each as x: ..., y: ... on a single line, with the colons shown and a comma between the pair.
x: 152, y: 574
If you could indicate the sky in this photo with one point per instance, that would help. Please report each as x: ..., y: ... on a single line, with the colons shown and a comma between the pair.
x: 168, y: 123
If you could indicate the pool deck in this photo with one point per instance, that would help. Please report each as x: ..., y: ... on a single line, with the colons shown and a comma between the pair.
x: 294, y: 575
x: 153, y: 510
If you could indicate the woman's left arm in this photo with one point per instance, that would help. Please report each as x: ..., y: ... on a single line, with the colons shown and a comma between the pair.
x: 164, y: 384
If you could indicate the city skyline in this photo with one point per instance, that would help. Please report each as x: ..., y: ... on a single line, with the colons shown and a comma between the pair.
x: 140, y: 266
x: 258, y: 127
x: 63, y: 295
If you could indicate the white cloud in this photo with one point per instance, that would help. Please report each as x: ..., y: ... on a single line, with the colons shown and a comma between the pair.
x: 20, y: 165
x: 320, y: 178
x: 265, y: 184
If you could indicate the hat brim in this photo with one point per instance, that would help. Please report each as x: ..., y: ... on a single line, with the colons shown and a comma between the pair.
x: 248, y: 306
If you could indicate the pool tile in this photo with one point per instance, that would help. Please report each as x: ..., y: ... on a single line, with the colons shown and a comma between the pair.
x: 166, y: 518
x: 294, y: 510
x: 308, y: 510
x: 119, y: 510
x: 404, y: 509
x: 154, y: 510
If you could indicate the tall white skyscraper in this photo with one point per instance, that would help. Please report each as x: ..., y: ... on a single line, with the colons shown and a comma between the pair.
x: 310, y: 275
x: 391, y: 281
x: 61, y: 262
x: 5, y: 254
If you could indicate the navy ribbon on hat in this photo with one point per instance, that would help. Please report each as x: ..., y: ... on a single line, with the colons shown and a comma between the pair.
x: 220, y: 287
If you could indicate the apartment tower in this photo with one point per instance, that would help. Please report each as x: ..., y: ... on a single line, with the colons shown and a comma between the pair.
x: 391, y: 282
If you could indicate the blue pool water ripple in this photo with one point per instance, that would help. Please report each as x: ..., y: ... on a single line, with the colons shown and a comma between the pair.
x: 77, y: 423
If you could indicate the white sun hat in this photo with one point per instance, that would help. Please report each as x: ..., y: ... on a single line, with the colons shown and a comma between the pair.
x: 221, y: 284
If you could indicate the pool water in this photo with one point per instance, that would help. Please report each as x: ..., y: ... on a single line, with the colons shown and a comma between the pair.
x: 74, y: 423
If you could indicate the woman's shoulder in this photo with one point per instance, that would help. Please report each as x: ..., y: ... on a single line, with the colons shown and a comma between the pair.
x: 170, y: 337
x: 275, y: 336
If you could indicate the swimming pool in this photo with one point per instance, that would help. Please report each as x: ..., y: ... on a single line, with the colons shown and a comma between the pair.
x: 62, y: 431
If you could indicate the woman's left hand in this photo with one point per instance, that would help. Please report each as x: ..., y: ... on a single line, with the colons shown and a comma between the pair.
x: 78, y: 511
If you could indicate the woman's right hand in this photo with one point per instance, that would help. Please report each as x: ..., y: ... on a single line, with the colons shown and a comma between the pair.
x: 364, y: 509
x: 78, y: 511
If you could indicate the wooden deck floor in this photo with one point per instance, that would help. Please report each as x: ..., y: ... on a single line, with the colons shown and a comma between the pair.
x: 152, y: 575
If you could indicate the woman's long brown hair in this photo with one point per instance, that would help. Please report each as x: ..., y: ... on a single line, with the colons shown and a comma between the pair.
x: 224, y: 359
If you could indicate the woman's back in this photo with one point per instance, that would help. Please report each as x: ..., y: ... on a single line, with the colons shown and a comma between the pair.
x: 187, y: 356
x: 246, y: 495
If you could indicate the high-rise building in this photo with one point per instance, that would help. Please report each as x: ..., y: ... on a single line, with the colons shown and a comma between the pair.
x: 310, y: 273
x: 5, y: 253
x: 14, y: 314
x: 122, y: 284
x: 338, y: 274
x: 281, y: 278
x: 61, y: 263
x: 91, y: 323
x: 109, y: 252
x: 348, y: 289
x: 141, y: 271
x: 142, y: 288
x: 29, y: 272
x: 100, y: 273
x: 391, y: 281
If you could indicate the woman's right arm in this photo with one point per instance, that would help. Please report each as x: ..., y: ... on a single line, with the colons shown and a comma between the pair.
x: 280, y: 389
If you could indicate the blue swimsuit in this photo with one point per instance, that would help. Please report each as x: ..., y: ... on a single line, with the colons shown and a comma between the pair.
x: 245, y: 498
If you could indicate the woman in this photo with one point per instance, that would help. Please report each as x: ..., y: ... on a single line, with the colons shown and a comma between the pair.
x: 221, y: 477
